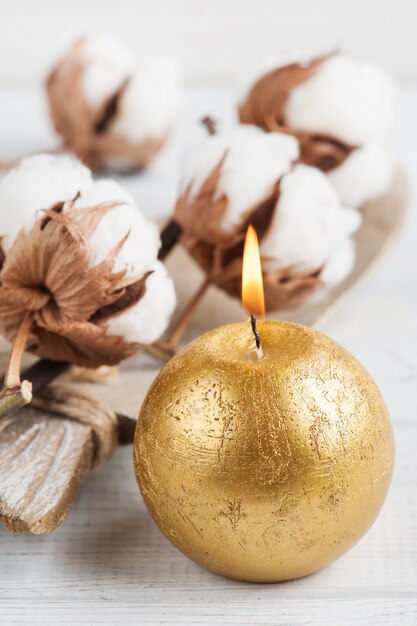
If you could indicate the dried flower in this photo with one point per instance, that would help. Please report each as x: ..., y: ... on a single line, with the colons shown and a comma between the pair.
x: 110, y: 114
x: 340, y: 110
x: 245, y: 175
x: 82, y: 267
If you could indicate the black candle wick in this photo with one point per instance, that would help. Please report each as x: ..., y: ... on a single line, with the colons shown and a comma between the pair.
x: 255, y: 331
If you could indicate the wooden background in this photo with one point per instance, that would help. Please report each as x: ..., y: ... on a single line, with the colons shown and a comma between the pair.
x: 110, y: 565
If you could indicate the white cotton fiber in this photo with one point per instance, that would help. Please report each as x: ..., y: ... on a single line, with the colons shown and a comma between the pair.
x: 141, y: 247
x: 365, y: 174
x: 311, y: 229
x: 340, y: 263
x: 347, y: 98
x: 150, y: 102
x: 106, y: 65
x: 37, y: 183
x: 147, y: 320
x: 254, y: 162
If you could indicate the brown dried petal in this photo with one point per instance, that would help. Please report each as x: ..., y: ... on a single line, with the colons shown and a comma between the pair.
x: 83, y: 343
x: 47, y: 271
x: 264, y: 106
x: 324, y: 152
x: 130, y: 296
x: 284, y: 288
x: 200, y: 215
x: 265, y: 103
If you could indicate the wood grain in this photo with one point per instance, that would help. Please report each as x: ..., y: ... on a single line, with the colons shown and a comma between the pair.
x: 43, y: 461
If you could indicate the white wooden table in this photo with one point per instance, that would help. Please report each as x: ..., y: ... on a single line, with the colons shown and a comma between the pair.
x: 109, y: 564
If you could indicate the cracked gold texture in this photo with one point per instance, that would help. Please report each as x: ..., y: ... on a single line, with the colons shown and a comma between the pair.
x: 268, y: 470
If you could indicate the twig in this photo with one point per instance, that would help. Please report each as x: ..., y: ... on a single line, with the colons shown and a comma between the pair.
x: 15, y: 393
x: 44, y: 372
x: 165, y: 349
x: 13, y: 398
x: 126, y: 428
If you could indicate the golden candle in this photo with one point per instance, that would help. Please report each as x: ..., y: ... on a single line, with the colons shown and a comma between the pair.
x: 264, y: 469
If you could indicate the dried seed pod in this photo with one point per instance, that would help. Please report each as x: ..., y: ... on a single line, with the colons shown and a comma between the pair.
x: 108, y: 113
x: 340, y: 109
x: 244, y: 175
x: 83, y: 265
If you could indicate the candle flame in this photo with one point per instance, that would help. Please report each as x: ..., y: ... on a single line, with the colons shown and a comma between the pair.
x: 252, y: 284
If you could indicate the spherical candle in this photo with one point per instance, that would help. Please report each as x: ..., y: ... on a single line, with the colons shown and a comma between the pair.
x: 264, y: 469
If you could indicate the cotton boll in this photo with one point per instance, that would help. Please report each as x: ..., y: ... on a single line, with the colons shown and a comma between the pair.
x: 150, y: 101
x: 146, y: 321
x: 37, y: 183
x: 345, y: 98
x: 111, y: 112
x: 339, y: 108
x: 248, y: 176
x: 364, y: 175
x: 106, y: 65
x: 55, y: 267
x: 253, y: 162
x: 309, y: 226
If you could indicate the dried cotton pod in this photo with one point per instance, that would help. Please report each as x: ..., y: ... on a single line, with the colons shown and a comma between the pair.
x: 110, y: 114
x: 340, y: 109
x: 80, y: 262
x: 244, y: 175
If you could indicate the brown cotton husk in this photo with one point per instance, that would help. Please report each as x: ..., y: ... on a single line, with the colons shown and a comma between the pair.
x: 200, y: 215
x: 219, y: 252
x: 46, y: 272
x: 264, y: 106
x: 87, y: 131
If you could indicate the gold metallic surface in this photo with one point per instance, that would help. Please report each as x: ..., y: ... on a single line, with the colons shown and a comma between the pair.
x: 267, y: 470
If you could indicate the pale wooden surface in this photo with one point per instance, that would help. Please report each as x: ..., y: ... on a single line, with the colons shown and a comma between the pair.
x: 109, y: 564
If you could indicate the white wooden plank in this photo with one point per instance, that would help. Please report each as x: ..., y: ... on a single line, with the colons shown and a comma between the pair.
x: 347, y: 612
